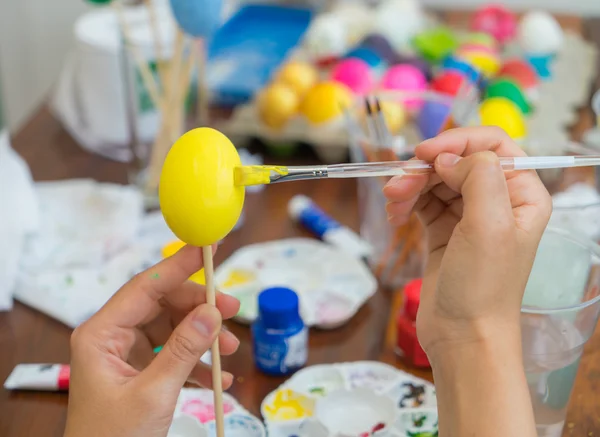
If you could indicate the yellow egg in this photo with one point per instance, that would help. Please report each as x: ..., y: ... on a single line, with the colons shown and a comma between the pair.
x: 277, y: 104
x: 504, y: 113
x: 488, y: 64
x: 394, y: 114
x: 325, y: 101
x: 174, y: 247
x: 300, y: 76
x: 198, y: 197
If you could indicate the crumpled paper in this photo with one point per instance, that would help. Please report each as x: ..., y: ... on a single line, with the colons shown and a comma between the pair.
x: 18, y: 216
x: 92, y: 239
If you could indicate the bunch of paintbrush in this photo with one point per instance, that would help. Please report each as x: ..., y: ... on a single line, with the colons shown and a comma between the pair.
x: 168, y: 89
x: 405, y: 250
x: 406, y: 243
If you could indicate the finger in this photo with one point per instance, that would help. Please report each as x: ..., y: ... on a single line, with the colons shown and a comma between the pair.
x: 399, y: 212
x: 481, y: 182
x: 467, y: 141
x: 185, y: 298
x: 140, y: 297
x: 182, y: 352
x: 202, y: 375
x: 403, y: 188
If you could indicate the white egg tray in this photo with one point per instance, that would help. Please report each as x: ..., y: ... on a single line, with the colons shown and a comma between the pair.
x: 357, y: 399
x: 331, y: 285
x: 195, y: 416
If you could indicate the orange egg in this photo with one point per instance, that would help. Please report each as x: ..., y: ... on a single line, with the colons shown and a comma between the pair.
x: 277, y: 104
x: 301, y: 76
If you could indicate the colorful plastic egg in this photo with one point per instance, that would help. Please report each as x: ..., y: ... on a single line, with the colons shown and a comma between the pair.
x: 542, y: 65
x: 462, y: 66
x: 509, y: 89
x: 497, y: 21
x: 325, y: 102
x: 326, y: 37
x: 477, y: 48
x: 277, y: 104
x: 501, y: 112
x: 540, y: 34
x: 368, y: 55
x: 434, y: 118
x: 380, y: 45
x: 484, y: 62
x: 198, y: 18
x: 449, y: 82
x: 399, y: 21
x: 521, y: 72
x: 198, y: 196
x: 435, y: 44
x: 481, y: 38
x: 355, y: 74
x: 406, y: 78
x: 301, y: 76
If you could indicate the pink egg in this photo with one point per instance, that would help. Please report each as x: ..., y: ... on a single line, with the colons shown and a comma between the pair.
x: 407, y: 78
x: 355, y: 74
x: 497, y: 21
x: 477, y: 48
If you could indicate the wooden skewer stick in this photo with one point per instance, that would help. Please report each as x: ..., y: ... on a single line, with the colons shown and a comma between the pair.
x: 140, y: 61
x: 202, y: 96
x: 158, y: 53
x: 215, y: 353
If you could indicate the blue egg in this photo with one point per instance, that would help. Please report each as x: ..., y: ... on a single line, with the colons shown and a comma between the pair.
x: 198, y: 18
x: 432, y: 118
x: 452, y: 63
x: 541, y: 64
x: 368, y: 55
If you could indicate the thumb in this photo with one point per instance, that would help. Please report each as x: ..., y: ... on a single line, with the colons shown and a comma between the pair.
x: 480, y: 180
x: 188, y: 342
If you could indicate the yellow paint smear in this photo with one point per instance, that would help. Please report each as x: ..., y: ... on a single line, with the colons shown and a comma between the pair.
x: 257, y: 174
x: 288, y: 405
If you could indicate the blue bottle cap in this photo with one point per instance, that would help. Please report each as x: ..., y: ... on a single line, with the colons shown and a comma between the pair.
x: 278, y: 308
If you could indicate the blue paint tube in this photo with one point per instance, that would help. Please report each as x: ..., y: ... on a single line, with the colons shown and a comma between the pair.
x: 305, y: 211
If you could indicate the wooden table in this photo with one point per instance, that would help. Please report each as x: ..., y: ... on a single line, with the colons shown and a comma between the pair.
x: 28, y: 336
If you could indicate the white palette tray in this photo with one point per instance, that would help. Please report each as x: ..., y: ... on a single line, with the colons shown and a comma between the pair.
x: 331, y: 285
x: 358, y: 399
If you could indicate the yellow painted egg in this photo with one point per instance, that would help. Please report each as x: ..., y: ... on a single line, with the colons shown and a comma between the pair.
x: 325, y: 102
x: 300, y: 76
x: 277, y: 104
x: 394, y: 114
x: 198, y: 197
x: 504, y: 113
x: 174, y: 247
x: 487, y: 63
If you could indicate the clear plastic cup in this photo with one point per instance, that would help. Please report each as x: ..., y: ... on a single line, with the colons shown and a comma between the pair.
x: 558, y: 316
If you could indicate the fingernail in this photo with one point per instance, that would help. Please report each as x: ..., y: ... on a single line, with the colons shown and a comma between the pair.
x: 206, y: 320
x: 447, y: 159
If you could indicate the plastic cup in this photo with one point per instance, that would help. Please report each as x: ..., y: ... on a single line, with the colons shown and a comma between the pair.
x: 558, y: 316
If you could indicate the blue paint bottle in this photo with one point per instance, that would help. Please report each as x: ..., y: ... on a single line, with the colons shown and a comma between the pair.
x: 279, y: 336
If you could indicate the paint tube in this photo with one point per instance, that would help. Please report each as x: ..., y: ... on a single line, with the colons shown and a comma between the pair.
x: 304, y: 210
x: 39, y: 377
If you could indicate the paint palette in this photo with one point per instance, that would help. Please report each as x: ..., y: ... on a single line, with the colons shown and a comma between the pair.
x: 195, y: 416
x: 331, y: 284
x: 358, y: 399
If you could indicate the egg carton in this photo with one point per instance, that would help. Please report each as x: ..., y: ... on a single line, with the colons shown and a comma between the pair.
x: 195, y: 416
x: 354, y: 399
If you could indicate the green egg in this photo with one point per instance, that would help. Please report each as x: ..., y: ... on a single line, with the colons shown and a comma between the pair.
x: 510, y: 90
x: 435, y: 44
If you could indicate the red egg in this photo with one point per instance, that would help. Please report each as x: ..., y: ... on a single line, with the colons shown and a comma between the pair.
x: 497, y: 21
x: 449, y: 82
x: 521, y: 72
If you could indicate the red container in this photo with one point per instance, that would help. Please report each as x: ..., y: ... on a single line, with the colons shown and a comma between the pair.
x: 406, y: 329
